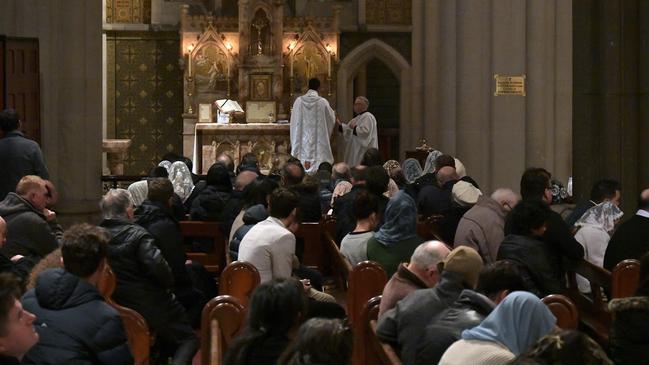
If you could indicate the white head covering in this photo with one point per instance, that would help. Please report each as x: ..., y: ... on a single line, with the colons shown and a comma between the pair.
x: 411, y: 169
x: 430, y: 161
x: 460, y: 169
x: 603, y: 215
x: 181, y: 179
x: 139, y: 191
x: 465, y: 194
x: 166, y: 164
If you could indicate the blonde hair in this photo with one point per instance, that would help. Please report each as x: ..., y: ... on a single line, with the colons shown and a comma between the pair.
x: 28, y: 184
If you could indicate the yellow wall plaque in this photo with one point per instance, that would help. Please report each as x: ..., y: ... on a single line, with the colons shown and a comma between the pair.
x: 509, y: 85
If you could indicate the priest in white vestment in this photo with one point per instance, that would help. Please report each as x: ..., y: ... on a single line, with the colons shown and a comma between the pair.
x: 360, y: 134
x: 312, y: 121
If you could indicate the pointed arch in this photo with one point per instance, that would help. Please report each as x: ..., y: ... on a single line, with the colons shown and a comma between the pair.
x: 400, y: 67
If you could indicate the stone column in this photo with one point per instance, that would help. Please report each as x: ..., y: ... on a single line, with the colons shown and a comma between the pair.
x: 417, y: 92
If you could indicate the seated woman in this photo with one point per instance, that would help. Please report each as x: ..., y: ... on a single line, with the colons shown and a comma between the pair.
x: 320, y: 341
x: 209, y: 203
x: 397, y: 239
x: 515, y: 324
x: 525, y: 248
x: 565, y: 347
x: 354, y: 244
x: 276, y: 311
x: 629, y: 337
x: 595, y: 228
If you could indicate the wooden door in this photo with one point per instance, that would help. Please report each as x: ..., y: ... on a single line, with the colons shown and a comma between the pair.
x: 23, y: 83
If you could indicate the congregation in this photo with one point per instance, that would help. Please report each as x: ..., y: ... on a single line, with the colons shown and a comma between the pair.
x: 472, y: 295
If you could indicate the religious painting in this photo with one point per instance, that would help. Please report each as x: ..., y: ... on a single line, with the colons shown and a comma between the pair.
x: 261, y: 87
x: 309, y: 62
x: 212, y: 70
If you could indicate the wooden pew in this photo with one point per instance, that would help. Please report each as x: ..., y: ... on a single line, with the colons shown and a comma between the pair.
x: 366, y: 281
x: 314, y: 249
x: 564, y: 310
x: 213, y: 261
x: 428, y: 228
x: 136, y: 328
x: 239, y: 279
x: 625, y: 279
x: 221, y: 321
x: 377, y: 352
x: 339, y: 264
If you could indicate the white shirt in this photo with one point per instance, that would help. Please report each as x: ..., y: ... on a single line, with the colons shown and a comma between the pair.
x: 269, y: 247
x: 360, y: 139
x: 312, y: 121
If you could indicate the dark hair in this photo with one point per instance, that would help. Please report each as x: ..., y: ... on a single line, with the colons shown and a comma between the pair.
x: 276, y: 307
x: 358, y: 173
x: 9, y: 120
x: 643, y: 282
x: 534, y: 182
x: 365, y: 204
x: 499, y: 276
x: 604, y: 189
x: 83, y: 247
x: 565, y: 347
x: 528, y: 215
x: 9, y: 293
x: 372, y: 157
x: 160, y: 190
x: 282, y: 202
x: 219, y: 177
x: 248, y: 162
x: 377, y: 180
x: 444, y: 160
x: 159, y: 171
x: 171, y: 157
x: 292, y: 174
x: 314, y: 84
x: 257, y: 192
x: 320, y: 341
x: 325, y: 166
x: 398, y: 177
x: 187, y: 162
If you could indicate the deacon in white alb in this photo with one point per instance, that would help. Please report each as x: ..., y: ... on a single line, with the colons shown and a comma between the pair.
x: 360, y: 133
x: 312, y: 121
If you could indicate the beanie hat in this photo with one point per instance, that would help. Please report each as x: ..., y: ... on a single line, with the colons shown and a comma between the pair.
x: 466, y: 262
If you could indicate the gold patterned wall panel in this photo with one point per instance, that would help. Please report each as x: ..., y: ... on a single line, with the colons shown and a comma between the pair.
x: 128, y: 11
x: 389, y: 12
x: 145, y: 97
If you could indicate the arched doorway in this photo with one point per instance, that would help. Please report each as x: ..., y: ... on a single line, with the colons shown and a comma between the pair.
x: 378, y: 71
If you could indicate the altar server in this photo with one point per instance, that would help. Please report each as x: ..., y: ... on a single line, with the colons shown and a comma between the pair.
x: 360, y: 133
x: 312, y: 121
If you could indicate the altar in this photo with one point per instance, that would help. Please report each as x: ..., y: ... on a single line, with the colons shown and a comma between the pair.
x: 270, y: 142
x: 261, y: 59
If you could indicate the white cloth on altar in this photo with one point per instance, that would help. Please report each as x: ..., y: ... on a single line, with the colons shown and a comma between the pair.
x: 312, y: 121
x: 365, y: 137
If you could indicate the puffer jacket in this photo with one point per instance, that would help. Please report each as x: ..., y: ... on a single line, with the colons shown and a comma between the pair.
x: 28, y: 232
x: 209, y: 204
x: 535, y: 260
x: 629, y: 337
x: 252, y: 216
x: 74, y: 323
x: 468, y: 311
x: 144, y: 278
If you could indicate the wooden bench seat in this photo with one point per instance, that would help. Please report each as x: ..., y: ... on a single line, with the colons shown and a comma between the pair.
x: 221, y: 320
x: 213, y: 261
x: 239, y: 279
x: 377, y: 352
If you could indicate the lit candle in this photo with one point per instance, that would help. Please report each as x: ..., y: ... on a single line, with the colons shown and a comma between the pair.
x: 291, y: 61
x: 190, y: 48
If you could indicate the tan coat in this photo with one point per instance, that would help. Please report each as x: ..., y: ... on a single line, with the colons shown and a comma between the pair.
x: 482, y: 228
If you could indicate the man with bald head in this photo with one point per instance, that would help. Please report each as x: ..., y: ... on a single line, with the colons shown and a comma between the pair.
x: 360, y: 133
x: 631, y: 239
x: 420, y: 273
x: 483, y: 226
x: 438, y: 200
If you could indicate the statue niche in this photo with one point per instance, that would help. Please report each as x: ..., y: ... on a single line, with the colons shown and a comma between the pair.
x: 260, y: 31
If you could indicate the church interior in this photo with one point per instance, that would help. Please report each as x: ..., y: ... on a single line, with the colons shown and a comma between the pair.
x: 109, y: 88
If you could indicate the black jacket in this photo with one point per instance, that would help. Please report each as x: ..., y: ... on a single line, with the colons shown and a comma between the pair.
x: 468, y: 311
x: 74, y: 323
x: 629, y: 337
x: 28, y: 232
x: 209, y: 204
x: 433, y: 200
x: 251, y: 216
x: 161, y: 224
x: 403, y: 325
x: 630, y: 241
x: 20, y: 157
x: 144, y: 278
x: 310, y: 209
x: 20, y: 269
x: 539, y: 270
x: 344, y: 212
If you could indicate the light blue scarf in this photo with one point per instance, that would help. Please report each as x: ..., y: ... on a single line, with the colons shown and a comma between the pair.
x: 517, y: 323
x: 400, y: 220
